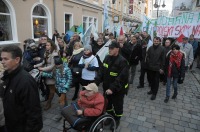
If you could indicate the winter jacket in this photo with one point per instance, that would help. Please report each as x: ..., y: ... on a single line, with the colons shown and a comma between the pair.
x: 114, y: 74
x: 74, y: 64
x: 92, y: 105
x: 63, y: 80
x: 194, y: 44
x: 125, y: 51
x: 2, y: 118
x: 175, y: 72
x: 188, y: 49
x: 143, y: 61
x: 155, y: 58
x: 21, y: 102
x: 48, y: 66
x: 41, y: 51
x: 136, y: 54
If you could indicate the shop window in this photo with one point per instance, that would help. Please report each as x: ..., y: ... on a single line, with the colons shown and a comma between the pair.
x: 40, y: 22
x: 5, y: 23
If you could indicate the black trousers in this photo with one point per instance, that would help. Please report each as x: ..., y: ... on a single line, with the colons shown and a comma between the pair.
x: 154, y: 80
x: 3, y: 129
x: 115, y: 105
x: 86, y: 82
x: 142, y: 74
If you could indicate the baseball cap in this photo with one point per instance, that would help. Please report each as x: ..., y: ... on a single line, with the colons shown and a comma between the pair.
x: 92, y: 87
x: 114, y: 44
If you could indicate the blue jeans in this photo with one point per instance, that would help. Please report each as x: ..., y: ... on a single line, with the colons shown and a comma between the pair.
x: 169, y: 81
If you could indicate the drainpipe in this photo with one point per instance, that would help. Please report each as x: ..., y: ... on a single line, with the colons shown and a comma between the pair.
x: 54, y: 13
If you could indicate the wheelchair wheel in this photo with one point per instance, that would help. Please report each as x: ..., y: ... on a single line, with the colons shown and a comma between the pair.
x: 98, y: 125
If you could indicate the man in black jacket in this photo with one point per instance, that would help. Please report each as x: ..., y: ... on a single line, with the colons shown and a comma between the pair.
x: 21, y: 102
x: 135, y: 56
x: 114, y: 75
x: 155, y: 61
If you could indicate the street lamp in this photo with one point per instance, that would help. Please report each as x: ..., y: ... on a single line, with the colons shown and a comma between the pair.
x: 156, y: 5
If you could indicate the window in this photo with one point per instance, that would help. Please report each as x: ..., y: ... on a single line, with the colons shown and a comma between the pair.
x: 5, y: 23
x: 87, y: 21
x: 95, y: 22
x: 40, y: 22
x: 90, y: 21
x: 67, y: 22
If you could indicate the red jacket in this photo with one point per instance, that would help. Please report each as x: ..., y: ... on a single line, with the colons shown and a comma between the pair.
x: 93, y: 105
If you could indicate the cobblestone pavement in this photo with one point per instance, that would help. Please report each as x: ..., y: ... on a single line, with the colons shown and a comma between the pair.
x: 143, y: 115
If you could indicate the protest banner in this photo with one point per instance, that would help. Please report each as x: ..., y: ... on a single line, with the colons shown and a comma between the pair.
x: 175, y: 26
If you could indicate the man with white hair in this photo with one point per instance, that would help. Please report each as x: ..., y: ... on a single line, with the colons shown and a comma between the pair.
x: 188, y: 49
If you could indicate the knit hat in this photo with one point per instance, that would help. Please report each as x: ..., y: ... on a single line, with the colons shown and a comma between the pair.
x: 57, y: 60
x: 92, y: 86
x: 88, y: 47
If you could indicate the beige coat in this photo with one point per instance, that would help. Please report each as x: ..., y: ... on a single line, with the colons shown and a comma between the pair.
x: 48, y: 67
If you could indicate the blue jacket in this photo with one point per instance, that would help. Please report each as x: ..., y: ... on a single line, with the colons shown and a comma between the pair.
x: 63, y: 80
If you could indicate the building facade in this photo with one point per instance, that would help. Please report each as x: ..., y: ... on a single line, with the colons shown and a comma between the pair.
x: 22, y: 19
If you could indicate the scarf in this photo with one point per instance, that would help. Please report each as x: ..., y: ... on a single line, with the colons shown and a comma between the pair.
x: 75, y: 52
x: 87, y: 55
x: 174, y: 59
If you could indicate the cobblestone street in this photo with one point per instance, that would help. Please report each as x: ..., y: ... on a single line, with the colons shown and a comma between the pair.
x: 143, y: 115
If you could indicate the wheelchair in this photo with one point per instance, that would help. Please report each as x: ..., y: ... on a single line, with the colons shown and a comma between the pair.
x: 87, y: 124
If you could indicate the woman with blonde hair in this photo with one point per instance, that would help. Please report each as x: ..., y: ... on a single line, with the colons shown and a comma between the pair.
x: 47, y: 65
x: 73, y: 64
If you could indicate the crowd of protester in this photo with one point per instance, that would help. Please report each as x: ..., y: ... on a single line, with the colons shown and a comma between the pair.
x: 74, y: 64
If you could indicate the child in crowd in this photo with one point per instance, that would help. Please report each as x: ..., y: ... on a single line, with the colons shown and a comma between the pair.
x: 62, y: 74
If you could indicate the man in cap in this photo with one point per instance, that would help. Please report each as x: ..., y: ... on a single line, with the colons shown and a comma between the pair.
x: 188, y: 49
x: 90, y: 101
x: 114, y: 75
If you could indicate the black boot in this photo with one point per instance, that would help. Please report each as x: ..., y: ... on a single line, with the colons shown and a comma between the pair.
x: 150, y: 92
x: 117, y: 120
x: 153, y: 97
x: 74, y: 97
x: 140, y: 86
x: 166, y: 99
x: 76, y: 93
x: 174, y: 96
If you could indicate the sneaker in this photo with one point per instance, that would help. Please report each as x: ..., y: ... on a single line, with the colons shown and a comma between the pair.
x: 150, y: 92
x: 153, y: 97
x: 140, y: 86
